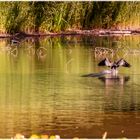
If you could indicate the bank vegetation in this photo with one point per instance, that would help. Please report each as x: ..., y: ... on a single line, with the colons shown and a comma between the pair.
x: 48, y: 16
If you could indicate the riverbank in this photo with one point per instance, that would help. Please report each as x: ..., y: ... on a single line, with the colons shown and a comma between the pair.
x: 94, y: 32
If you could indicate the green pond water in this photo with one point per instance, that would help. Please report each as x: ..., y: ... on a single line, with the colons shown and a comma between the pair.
x: 42, y: 90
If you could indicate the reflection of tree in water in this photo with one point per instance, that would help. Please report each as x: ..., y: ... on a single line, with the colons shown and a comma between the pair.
x: 69, y: 59
x: 41, y: 52
x: 12, y: 51
x: 36, y: 49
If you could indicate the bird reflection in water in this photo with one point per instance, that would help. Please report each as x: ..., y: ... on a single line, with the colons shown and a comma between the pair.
x: 114, y: 83
x: 114, y: 80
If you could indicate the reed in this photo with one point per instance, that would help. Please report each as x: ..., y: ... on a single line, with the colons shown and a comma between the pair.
x: 35, y: 17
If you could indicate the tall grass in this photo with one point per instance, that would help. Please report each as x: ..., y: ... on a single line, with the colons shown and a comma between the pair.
x: 60, y: 16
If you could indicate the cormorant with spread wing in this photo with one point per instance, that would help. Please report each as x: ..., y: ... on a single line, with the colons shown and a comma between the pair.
x: 113, y: 68
x: 113, y: 65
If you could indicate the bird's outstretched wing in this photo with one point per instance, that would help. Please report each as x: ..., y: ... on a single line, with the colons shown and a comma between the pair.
x: 123, y: 63
x: 105, y: 62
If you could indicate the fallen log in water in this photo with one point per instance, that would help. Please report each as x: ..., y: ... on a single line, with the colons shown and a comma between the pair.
x: 96, y: 32
x: 108, y: 32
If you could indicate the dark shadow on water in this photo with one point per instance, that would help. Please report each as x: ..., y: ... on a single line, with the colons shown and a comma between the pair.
x: 93, y: 75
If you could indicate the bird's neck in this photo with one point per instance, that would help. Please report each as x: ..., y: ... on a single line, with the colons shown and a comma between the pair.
x: 114, y: 71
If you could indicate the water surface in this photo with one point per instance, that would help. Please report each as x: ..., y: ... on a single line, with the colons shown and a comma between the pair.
x: 42, y: 90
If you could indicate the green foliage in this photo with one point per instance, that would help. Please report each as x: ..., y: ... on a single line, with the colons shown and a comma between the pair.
x: 15, y: 17
x: 37, y: 11
x: 58, y: 16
